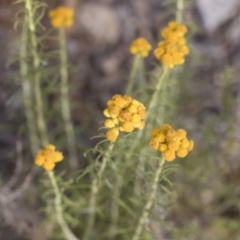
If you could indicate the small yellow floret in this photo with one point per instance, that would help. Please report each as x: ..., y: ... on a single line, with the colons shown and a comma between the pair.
x: 154, y: 143
x: 133, y: 108
x: 165, y: 127
x: 169, y: 155
x: 109, y: 123
x: 58, y: 157
x: 51, y: 147
x: 39, y: 160
x: 125, y: 116
x: 182, y: 152
x: 155, y: 132
x: 114, y: 111
x: 173, y: 145
x: 185, y: 143
x: 160, y: 137
x: 136, y: 118
x: 140, y: 125
x: 112, y: 134
x: 163, y: 147
x: 191, y: 145
x: 142, y: 113
x: 170, y: 135
x: 181, y: 133
x: 128, y: 127
x: 106, y: 113
x: 49, y: 165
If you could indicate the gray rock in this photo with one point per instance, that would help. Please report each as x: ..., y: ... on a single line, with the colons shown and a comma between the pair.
x: 216, y: 12
x: 100, y: 22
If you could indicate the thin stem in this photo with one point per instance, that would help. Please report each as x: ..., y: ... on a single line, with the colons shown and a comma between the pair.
x: 179, y: 12
x: 94, y: 191
x: 115, y: 206
x: 150, y: 202
x: 26, y: 86
x: 133, y: 73
x: 59, y: 211
x: 151, y: 106
x: 36, y: 73
x: 66, y: 112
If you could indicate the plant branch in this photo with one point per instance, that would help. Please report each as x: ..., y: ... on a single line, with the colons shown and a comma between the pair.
x: 36, y: 73
x: 94, y: 191
x: 133, y: 73
x: 59, y: 211
x: 150, y: 202
x: 66, y: 112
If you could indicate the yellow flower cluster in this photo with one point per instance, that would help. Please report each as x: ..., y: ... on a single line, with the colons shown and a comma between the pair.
x: 61, y: 17
x: 48, y: 157
x: 140, y: 46
x: 172, y: 50
x: 124, y: 114
x: 171, y: 142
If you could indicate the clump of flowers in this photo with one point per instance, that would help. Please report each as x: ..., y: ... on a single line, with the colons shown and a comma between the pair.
x: 140, y: 46
x: 61, y: 17
x: 170, y: 142
x: 124, y: 114
x: 172, y: 50
x: 48, y: 157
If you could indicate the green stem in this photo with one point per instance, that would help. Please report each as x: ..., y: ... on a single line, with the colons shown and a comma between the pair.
x: 94, y: 191
x: 26, y: 86
x: 179, y: 12
x: 150, y: 201
x: 150, y: 107
x: 66, y: 112
x: 133, y: 73
x: 36, y: 73
x: 59, y: 211
x: 115, y: 205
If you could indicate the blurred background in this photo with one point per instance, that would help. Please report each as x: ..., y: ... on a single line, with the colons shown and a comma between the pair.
x: 207, y: 187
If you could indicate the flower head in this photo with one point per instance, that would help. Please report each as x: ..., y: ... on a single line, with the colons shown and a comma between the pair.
x: 61, y: 17
x: 140, y: 46
x: 170, y: 142
x: 172, y: 50
x: 48, y: 157
x: 123, y: 114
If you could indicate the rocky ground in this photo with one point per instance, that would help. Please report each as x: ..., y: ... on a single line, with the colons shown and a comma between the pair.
x: 98, y: 47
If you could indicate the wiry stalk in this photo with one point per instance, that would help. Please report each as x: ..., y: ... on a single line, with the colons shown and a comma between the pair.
x: 133, y: 73
x: 179, y: 12
x: 36, y: 72
x: 66, y: 112
x: 115, y: 206
x: 26, y: 86
x: 150, y: 201
x: 94, y: 191
x: 59, y: 211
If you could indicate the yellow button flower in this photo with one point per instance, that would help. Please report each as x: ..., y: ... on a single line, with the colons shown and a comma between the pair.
x: 48, y: 157
x: 124, y: 114
x: 61, y: 17
x: 171, y: 142
x: 140, y: 46
x: 172, y: 50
